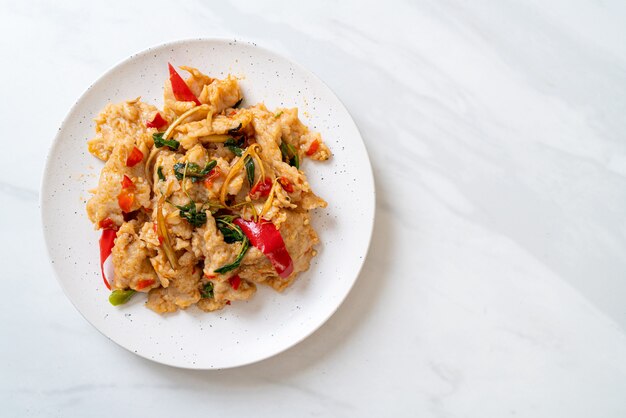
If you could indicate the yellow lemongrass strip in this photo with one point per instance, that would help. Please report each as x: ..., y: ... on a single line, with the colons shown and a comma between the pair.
x: 184, y: 187
x: 254, y: 212
x: 216, y: 138
x: 233, y: 172
x: 146, y: 168
x: 182, y: 117
x: 270, y: 199
x: 163, y: 232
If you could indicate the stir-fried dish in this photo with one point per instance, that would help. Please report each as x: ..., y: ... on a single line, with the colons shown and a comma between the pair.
x: 201, y: 201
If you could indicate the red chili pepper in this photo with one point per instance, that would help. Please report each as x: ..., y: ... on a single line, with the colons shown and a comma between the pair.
x: 107, y: 223
x: 286, y: 184
x: 142, y: 284
x: 107, y: 241
x: 210, y: 276
x: 313, y: 147
x: 262, y: 188
x: 181, y: 90
x: 235, y: 281
x: 213, y: 175
x: 228, y: 302
x: 135, y: 157
x: 126, y: 198
x: 127, y: 183
x: 157, y: 122
x: 265, y: 236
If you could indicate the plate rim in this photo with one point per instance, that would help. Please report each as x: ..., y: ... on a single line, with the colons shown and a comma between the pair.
x: 44, y: 194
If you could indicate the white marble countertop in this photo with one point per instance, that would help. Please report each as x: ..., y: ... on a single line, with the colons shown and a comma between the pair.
x: 496, y: 281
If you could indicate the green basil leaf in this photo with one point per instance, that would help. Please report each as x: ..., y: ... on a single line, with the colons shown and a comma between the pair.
x: 233, y: 147
x: 193, y: 170
x: 207, y: 291
x: 249, y: 163
x: 160, y: 142
x: 245, y: 245
x: 289, y: 154
x: 235, y: 130
x: 160, y: 173
x: 191, y: 215
x: 231, y: 232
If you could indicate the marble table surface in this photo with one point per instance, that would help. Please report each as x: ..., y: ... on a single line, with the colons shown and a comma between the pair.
x: 496, y: 281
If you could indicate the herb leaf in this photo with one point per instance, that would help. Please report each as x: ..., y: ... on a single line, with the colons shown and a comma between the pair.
x: 249, y: 170
x: 233, y: 147
x: 190, y: 213
x: 232, y: 233
x: 235, y: 129
x: 160, y: 142
x: 207, y: 291
x: 245, y: 245
x: 289, y: 154
x: 236, y: 105
x: 193, y: 170
x: 160, y: 173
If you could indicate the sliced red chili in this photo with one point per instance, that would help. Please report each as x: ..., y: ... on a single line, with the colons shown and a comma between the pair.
x: 213, y: 175
x: 126, y: 198
x: 157, y: 122
x: 107, y: 241
x: 286, y: 184
x: 127, y: 183
x: 266, y: 237
x: 142, y: 284
x: 313, y: 148
x: 107, y: 223
x: 261, y: 189
x: 135, y: 157
x: 181, y: 90
x: 235, y: 281
x: 156, y: 231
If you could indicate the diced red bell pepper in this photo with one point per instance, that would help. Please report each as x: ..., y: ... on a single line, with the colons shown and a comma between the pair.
x: 261, y: 189
x: 142, y: 284
x: 157, y: 122
x: 107, y: 241
x: 181, y: 90
x: 135, y: 157
x: 126, y: 198
x: 235, y: 281
x: 313, y: 148
x: 286, y: 184
x: 266, y: 237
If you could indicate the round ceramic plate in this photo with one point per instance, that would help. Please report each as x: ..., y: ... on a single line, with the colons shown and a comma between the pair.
x: 244, y: 332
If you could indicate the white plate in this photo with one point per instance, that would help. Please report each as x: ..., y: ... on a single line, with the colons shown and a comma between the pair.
x: 244, y: 332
